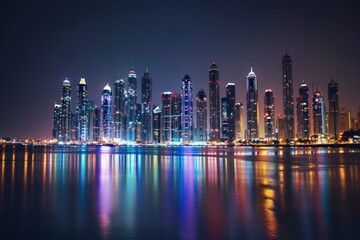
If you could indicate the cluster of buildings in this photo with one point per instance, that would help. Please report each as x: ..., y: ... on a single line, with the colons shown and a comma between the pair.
x: 183, y: 117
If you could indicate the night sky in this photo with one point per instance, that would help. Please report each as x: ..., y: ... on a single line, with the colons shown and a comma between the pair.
x: 42, y: 42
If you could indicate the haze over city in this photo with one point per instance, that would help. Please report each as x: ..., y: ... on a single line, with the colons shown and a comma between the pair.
x: 45, y: 42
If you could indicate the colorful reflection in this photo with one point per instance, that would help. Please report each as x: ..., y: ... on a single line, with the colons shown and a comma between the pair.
x: 180, y: 193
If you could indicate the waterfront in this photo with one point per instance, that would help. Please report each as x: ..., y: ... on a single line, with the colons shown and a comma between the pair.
x: 179, y: 193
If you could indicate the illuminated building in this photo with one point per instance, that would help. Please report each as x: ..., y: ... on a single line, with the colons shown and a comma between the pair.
x: 224, y: 119
x: 303, y: 112
x: 156, y: 124
x: 96, y: 124
x: 119, y: 108
x: 318, y: 113
x: 269, y: 112
x: 106, y: 114
x: 56, y: 126
x: 146, y: 104
x: 252, y: 106
x: 81, y: 111
x: 65, y: 111
x: 166, y: 100
x: 333, y: 97
x: 131, y: 105
x: 230, y: 99
x: 288, y: 96
x: 239, y: 123
x: 214, y: 103
x: 90, y: 112
x: 280, y: 129
x: 201, y: 116
x: 175, y: 117
x: 344, y: 120
x: 138, y: 124
x: 187, y: 110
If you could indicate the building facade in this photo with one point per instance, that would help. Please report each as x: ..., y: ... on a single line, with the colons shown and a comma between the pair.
x: 303, y: 112
x: 106, y: 114
x: 131, y: 106
x: 201, y: 116
x: 318, y: 113
x: 214, y: 102
x: 269, y: 114
x: 230, y: 99
x: 333, y: 97
x: 288, y: 96
x: 146, y: 107
x: 65, y: 128
x: 119, y: 109
x: 56, y: 126
x: 252, y: 106
x: 81, y: 111
x: 187, y: 124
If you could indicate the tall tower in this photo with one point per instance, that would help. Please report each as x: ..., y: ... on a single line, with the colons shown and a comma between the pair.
x: 156, y: 124
x: 176, y: 117
x: 214, y: 103
x: 96, y: 125
x: 333, y: 96
x: 269, y: 113
x: 252, y: 106
x: 230, y: 99
x: 56, y: 127
x: 166, y: 99
x: 187, y: 110
x: 201, y: 116
x: 106, y: 114
x: 65, y: 111
x: 237, y: 121
x: 288, y: 96
x: 146, y: 105
x: 318, y: 113
x: 81, y: 111
x: 132, y: 100
x: 224, y: 119
x: 303, y: 112
x: 119, y: 108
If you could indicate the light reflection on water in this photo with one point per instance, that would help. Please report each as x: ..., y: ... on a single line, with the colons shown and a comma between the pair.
x: 180, y: 193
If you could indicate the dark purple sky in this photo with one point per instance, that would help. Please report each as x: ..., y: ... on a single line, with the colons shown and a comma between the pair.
x: 44, y: 42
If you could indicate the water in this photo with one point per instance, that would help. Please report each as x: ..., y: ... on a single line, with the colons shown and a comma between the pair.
x: 179, y: 193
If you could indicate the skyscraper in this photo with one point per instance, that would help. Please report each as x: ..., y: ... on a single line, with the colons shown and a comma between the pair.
x: 156, y: 124
x: 238, y: 121
x: 201, y: 116
x: 344, y: 120
x: 230, y: 99
x: 132, y: 100
x: 90, y: 112
x: 318, y: 113
x: 175, y: 117
x: 187, y: 110
x: 269, y: 112
x: 81, y: 111
x: 146, y: 105
x: 214, y: 102
x: 224, y: 119
x: 65, y: 111
x: 119, y: 108
x: 303, y: 112
x: 106, y: 114
x: 333, y: 97
x: 252, y: 106
x: 288, y: 96
x: 96, y: 124
x: 166, y: 100
x: 56, y: 126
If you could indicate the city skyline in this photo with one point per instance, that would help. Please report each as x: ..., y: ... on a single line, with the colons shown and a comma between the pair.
x: 41, y: 47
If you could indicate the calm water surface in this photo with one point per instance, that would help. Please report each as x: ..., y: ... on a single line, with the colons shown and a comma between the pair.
x: 180, y: 193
